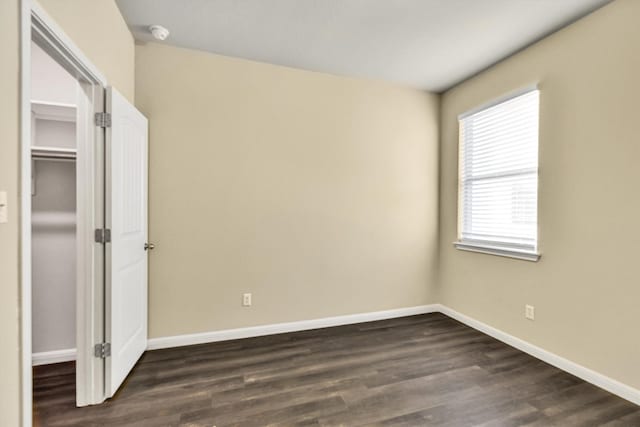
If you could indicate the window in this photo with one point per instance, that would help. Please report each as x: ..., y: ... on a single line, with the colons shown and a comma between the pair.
x: 498, y: 195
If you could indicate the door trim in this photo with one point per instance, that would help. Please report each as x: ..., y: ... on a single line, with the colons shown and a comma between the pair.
x: 37, y: 25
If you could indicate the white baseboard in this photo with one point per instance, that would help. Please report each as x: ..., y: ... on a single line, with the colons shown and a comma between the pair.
x: 613, y: 386
x: 280, y: 328
x: 56, y: 356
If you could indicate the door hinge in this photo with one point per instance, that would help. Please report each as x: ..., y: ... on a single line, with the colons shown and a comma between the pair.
x: 103, y: 235
x: 102, y: 350
x: 103, y: 120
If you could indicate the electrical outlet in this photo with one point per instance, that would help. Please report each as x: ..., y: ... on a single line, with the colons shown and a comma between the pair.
x: 530, y: 312
x: 246, y: 300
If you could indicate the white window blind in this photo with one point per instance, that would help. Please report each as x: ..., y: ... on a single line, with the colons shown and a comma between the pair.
x: 499, y: 176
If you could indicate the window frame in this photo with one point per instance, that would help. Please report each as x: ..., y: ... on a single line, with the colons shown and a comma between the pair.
x: 489, y: 247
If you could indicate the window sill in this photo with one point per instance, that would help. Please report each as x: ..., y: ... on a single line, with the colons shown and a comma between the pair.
x: 497, y: 250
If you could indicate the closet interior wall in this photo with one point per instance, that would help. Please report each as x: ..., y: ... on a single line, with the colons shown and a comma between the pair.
x: 54, y: 94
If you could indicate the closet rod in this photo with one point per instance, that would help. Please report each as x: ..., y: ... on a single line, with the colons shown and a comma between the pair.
x: 51, y: 157
x: 47, y: 153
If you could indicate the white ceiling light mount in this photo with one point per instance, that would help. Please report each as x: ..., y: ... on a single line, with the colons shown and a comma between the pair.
x: 159, y: 32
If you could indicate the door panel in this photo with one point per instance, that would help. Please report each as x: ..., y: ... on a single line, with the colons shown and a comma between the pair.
x: 126, y: 215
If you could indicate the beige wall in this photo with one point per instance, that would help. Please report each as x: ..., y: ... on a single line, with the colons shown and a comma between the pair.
x: 586, y: 287
x: 99, y: 30
x: 9, y: 249
x: 318, y: 194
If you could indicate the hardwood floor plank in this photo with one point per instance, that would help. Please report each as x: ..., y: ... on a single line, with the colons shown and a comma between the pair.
x: 426, y: 370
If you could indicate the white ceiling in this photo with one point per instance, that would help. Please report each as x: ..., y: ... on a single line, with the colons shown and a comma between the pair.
x: 429, y: 44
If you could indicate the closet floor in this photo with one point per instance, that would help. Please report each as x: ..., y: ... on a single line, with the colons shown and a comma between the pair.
x: 426, y: 370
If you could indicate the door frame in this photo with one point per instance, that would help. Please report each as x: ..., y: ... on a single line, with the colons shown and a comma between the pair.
x: 37, y: 25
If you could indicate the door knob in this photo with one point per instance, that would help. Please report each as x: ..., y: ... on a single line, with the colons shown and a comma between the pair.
x: 149, y: 246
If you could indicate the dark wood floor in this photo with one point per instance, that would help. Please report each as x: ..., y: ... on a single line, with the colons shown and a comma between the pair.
x: 426, y: 370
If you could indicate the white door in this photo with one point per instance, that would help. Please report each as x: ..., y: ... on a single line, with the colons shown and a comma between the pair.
x: 126, y: 256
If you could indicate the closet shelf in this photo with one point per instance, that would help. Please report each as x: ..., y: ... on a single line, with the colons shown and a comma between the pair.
x: 53, y: 153
x: 53, y: 111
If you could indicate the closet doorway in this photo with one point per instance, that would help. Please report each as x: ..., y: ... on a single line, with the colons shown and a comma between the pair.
x: 65, y: 205
x: 84, y: 248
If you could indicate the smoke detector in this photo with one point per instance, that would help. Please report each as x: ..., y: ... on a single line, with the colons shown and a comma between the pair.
x: 159, y: 32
